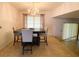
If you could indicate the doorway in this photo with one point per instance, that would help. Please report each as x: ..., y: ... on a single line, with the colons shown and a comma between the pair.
x: 70, y: 31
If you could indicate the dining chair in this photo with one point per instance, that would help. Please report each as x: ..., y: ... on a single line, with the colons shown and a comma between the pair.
x: 17, y: 36
x: 43, y: 36
x: 27, y: 40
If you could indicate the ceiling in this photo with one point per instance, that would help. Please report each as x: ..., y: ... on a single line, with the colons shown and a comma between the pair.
x: 42, y: 6
x: 74, y: 14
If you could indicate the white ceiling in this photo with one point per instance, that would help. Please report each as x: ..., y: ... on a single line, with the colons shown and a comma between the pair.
x: 43, y: 6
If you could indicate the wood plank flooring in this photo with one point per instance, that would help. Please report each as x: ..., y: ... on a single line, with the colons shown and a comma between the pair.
x: 55, y: 48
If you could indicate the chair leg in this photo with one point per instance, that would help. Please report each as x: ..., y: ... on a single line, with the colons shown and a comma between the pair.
x: 14, y: 40
x: 23, y: 50
x: 46, y: 40
x: 31, y: 49
x: 17, y: 38
x: 21, y: 40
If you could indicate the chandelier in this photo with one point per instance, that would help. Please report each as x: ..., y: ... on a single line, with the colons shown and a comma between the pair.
x: 33, y: 11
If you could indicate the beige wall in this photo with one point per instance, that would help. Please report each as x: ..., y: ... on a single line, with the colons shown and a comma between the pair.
x: 9, y: 17
x: 48, y: 23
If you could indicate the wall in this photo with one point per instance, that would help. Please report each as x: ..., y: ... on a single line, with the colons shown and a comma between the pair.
x: 48, y: 23
x: 57, y: 25
x: 9, y: 18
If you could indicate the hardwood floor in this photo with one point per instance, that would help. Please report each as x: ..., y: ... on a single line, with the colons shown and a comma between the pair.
x: 55, y: 48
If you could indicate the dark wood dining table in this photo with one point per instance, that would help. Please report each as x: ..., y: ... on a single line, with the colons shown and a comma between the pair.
x: 36, y: 40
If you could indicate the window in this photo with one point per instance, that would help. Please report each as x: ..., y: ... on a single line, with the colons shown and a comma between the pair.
x: 33, y: 22
x: 29, y: 22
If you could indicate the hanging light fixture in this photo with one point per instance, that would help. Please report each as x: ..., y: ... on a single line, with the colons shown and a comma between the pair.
x: 33, y: 11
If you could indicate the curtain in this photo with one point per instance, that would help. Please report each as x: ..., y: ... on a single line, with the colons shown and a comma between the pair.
x: 42, y: 19
x: 24, y: 20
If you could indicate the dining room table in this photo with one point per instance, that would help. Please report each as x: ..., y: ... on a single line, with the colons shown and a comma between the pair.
x: 36, y: 39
